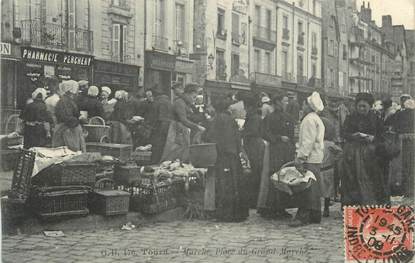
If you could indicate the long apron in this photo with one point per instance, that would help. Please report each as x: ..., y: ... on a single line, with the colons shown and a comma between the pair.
x: 177, y: 143
x: 71, y: 137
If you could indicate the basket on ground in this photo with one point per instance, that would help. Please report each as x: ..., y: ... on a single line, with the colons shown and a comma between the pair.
x: 203, y: 155
x: 67, y: 173
x: 49, y: 202
x: 97, y: 130
x: 106, y: 201
x: 153, y: 198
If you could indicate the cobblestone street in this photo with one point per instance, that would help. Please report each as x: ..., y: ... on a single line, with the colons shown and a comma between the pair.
x: 255, y: 240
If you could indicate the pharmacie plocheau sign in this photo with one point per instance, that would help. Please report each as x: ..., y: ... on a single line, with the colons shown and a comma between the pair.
x: 51, y: 56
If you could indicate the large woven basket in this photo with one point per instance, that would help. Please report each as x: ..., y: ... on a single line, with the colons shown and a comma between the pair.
x: 291, y: 189
x: 107, y: 201
x: 97, y: 130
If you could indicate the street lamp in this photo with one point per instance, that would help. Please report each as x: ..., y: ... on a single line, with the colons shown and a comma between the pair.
x: 211, y: 58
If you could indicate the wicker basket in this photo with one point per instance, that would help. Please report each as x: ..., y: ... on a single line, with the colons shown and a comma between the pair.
x: 153, y: 198
x: 141, y: 157
x: 106, y: 201
x: 67, y: 173
x: 120, y: 151
x: 22, y: 175
x: 97, y: 130
x: 49, y: 202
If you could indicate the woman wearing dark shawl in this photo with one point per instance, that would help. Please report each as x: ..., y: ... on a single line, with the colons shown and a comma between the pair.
x: 279, y: 132
x: 254, y: 146
x: 363, y: 180
x: 231, y: 203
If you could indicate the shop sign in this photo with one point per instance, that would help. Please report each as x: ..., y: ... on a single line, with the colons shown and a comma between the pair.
x: 160, y: 61
x: 5, y: 48
x: 184, y: 66
x: 51, y: 56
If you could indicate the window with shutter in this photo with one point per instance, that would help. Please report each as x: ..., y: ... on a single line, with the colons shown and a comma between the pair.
x: 71, y: 23
x: 124, y: 46
x: 180, y: 22
x: 116, y: 41
x: 235, y: 28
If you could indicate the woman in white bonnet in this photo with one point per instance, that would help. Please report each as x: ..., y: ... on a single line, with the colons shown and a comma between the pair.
x: 36, y: 120
x: 108, y: 107
x: 68, y: 132
x: 309, y: 157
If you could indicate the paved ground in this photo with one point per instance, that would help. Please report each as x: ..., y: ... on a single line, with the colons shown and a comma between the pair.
x: 255, y: 240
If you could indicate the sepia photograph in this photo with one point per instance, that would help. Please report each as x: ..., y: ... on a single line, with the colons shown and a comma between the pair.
x: 207, y: 131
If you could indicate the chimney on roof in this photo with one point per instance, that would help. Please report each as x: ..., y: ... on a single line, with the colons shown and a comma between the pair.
x: 366, y: 13
x: 387, y: 21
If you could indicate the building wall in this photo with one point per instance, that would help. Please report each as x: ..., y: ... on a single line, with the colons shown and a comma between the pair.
x: 311, y: 23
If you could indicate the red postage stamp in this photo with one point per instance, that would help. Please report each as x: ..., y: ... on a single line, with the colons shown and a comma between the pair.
x: 379, y: 233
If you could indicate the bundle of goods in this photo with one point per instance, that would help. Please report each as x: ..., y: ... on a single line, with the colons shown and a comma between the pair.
x: 119, y: 151
x: 289, y: 180
x: 106, y: 167
x: 107, y: 201
x: 193, y: 177
x: 151, y: 196
x: 142, y: 155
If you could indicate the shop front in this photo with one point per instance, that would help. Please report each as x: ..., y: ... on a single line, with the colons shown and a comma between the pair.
x: 38, y: 64
x: 116, y: 75
x: 9, y: 59
x: 183, y: 71
x: 270, y: 84
x: 159, y: 70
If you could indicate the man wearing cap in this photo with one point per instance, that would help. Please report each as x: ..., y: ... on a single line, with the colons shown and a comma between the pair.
x: 309, y: 156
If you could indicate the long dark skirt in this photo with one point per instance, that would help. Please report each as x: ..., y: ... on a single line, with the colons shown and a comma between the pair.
x: 408, y: 164
x: 309, y: 203
x: 363, y: 181
x: 158, y: 140
x: 231, y: 201
x: 280, y: 154
x: 34, y: 136
x: 254, y: 148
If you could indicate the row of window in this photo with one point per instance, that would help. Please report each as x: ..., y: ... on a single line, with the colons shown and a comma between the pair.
x: 265, y: 66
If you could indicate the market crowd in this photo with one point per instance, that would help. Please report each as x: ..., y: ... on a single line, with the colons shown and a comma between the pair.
x: 360, y: 152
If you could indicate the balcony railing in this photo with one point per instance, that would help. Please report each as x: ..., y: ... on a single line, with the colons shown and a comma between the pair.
x: 160, y: 42
x: 300, y: 39
x: 285, y: 34
x: 264, y: 33
x: 266, y: 79
x: 56, y: 36
x: 302, y: 80
x: 124, y: 59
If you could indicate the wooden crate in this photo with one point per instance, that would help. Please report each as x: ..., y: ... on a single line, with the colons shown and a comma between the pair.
x: 22, y: 175
x: 120, y: 151
x: 56, y: 201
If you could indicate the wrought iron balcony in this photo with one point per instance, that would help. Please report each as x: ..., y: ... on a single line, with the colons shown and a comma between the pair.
x: 264, y: 33
x: 56, y: 36
x: 160, y: 42
x: 124, y: 59
x: 285, y: 34
x: 302, y: 80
